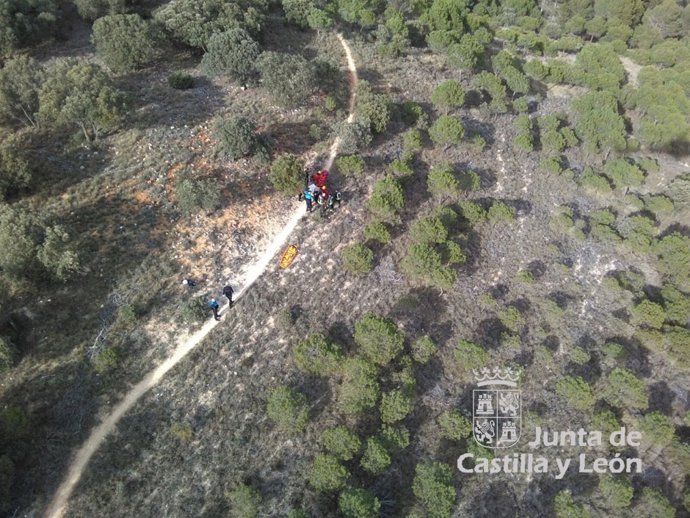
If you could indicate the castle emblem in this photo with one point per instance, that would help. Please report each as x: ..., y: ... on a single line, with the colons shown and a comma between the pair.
x: 496, y: 408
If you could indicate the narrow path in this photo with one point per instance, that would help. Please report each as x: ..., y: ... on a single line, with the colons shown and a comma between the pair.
x: 58, y: 504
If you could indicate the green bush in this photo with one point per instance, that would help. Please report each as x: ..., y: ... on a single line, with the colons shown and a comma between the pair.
x: 244, y: 501
x: 395, y: 438
x: 422, y: 262
x: 196, y: 195
x: 181, y: 81
x: 327, y: 474
x: 358, y: 503
x: 577, y: 392
x: 454, y: 425
x: 353, y: 135
x: 125, y: 42
x: 625, y: 390
x: 375, y: 459
x: 16, y: 172
x: 580, y: 356
x: 657, y: 429
x: 318, y: 355
x: 378, y: 338
x: 193, y: 310
x: 470, y: 181
x: 396, y: 405
x: 93, y: 9
x: 412, y: 143
x: 433, y: 486
x: 552, y: 165
x: 673, y: 251
x: 400, y: 167
x: 429, y: 229
x: 648, y: 314
x: 350, y: 165
x: 8, y: 354
x: 565, y: 507
x: 377, y: 231
x: 500, y: 212
x: 605, y: 421
x: 359, y: 389
x: 357, y: 258
x: 413, y: 113
x: 623, y: 173
x: 658, y: 204
x: 442, y: 183
x: 342, y: 442
x: 449, y: 94
x: 446, y: 130
x: 287, y: 174
x: 182, y: 431
x: 469, y: 356
x: 386, y: 198
x: 233, y: 53
x: 653, y: 503
x: 237, y: 136
x: 288, y: 78
x: 288, y: 409
x: 373, y: 107
x: 105, y: 360
x: 512, y: 318
x: 472, y: 212
x: 676, y: 304
x: 57, y: 254
x: 24, y: 23
x: 423, y: 349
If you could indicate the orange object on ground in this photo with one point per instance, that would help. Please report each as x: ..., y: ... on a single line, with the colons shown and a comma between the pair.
x: 288, y: 256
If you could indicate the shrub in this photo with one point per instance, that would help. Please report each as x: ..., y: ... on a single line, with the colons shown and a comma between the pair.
x: 395, y: 438
x: 676, y: 303
x: 429, y: 229
x: 196, y: 195
x: 181, y: 81
x: 244, y: 501
x: 552, y: 165
x: 424, y: 263
x: 400, y: 167
x: 657, y: 429
x: 396, y: 405
x: 577, y: 392
x: 327, y: 474
x: 318, y: 355
x: 449, y: 94
x: 373, y: 107
x: 93, y: 9
x: 375, y: 459
x: 287, y: 174
x: 288, y: 409
x: 469, y: 356
x: 386, y: 198
x: 673, y: 251
x: 341, y: 442
x: 8, y: 354
x: 358, y: 503
x: 413, y: 113
x: 565, y: 507
x: 21, y: 78
x: 357, y: 258
x: 624, y: 389
x: 500, y: 212
x: 412, y: 143
x: 350, y: 165
x: 237, y: 135
x: 182, y: 431
x: 193, y: 310
x: 623, y: 173
x: 378, y: 338
x: 470, y: 181
x: 433, y: 486
x: 512, y: 318
x: 580, y: 356
x: 288, y: 78
x: 233, y: 53
x: 605, y: 421
x: 441, y: 182
x: 454, y: 425
x: 446, y: 130
x: 647, y: 313
x: 653, y: 503
x: 377, y: 231
x: 359, y: 389
x: 105, y: 360
x: 125, y: 41
x: 423, y: 349
x: 472, y: 212
x: 658, y: 204
x: 353, y: 135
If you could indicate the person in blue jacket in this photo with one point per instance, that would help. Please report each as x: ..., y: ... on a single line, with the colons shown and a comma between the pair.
x: 214, y: 307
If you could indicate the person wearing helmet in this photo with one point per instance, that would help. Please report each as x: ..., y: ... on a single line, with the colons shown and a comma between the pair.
x: 213, y: 304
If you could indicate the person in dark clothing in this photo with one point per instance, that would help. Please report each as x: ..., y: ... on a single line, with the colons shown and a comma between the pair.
x: 214, y: 307
x: 190, y: 283
x: 227, y: 291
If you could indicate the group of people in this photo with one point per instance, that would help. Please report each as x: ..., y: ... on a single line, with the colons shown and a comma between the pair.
x: 213, y: 303
x: 317, y: 194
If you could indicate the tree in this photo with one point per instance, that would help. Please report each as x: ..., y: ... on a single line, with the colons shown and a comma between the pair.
x: 495, y: 88
x: 523, y: 140
x: 193, y: 22
x: 23, y: 23
x: 624, y: 389
x: 125, y: 41
x: 449, y: 94
x: 92, y: 9
x: 378, y: 338
x: 577, y: 392
x: 288, y: 409
x: 237, y: 135
x: 20, y: 82
x: 423, y: 349
x: 244, y: 501
x: 598, y: 123
x: 318, y: 355
x: 446, y: 130
x: 375, y: 459
x: 327, y: 474
x: 665, y: 18
x: 386, y: 198
x: 297, y: 11
x: 441, y: 182
x: 357, y: 258
x: 358, y: 503
x: 361, y: 12
x: 57, y: 253
x: 433, y: 486
x: 454, y: 425
x: 196, y: 195
x: 342, y: 442
x: 424, y: 263
x: 628, y: 12
x: 429, y: 229
x: 653, y: 503
x: 673, y: 251
x: 287, y: 174
x: 19, y: 238
x: 469, y: 356
x: 288, y: 78
x: 15, y: 170
x: 359, y: 389
x: 565, y: 507
x: 373, y: 107
x: 467, y: 53
x: 599, y: 67
x: 647, y: 313
x: 80, y: 93
x: 234, y: 53
x: 448, y: 15
x: 396, y: 405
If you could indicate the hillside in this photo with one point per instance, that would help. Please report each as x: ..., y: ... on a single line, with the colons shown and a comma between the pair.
x: 516, y: 195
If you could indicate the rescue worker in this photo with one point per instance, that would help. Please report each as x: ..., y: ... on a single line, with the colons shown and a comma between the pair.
x: 214, y: 307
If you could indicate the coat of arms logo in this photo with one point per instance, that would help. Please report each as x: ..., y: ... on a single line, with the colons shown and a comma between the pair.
x: 496, y: 408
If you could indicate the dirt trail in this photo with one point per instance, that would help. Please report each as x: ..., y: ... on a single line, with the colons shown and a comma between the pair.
x: 58, y: 504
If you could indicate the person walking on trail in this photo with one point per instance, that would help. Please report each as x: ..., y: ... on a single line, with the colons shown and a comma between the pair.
x: 214, y: 307
x: 227, y: 291
x: 308, y: 198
